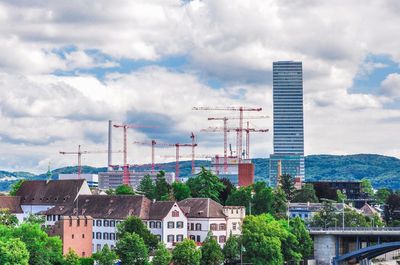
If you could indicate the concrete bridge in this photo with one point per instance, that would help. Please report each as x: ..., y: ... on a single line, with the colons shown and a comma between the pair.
x: 352, y: 245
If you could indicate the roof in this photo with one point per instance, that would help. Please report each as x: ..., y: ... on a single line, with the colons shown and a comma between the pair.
x: 368, y: 210
x: 12, y: 203
x: 106, y: 207
x: 201, y: 208
x: 52, y: 192
x: 160, y: 209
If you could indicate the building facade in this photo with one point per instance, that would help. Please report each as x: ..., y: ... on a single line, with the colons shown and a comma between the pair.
x: 288, y: 120
x: 113, y: 179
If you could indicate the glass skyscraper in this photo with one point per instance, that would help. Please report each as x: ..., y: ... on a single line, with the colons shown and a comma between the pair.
x: 288, y: 120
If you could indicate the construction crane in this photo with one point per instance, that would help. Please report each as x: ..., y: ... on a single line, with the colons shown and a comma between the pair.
x: 152, y: 143
x: 80, y: 153
x: 225, y: 120
x: 125, y: 147
x: 241, y: 109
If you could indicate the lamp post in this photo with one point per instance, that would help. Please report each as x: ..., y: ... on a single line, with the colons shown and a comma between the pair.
x: 343, y: 213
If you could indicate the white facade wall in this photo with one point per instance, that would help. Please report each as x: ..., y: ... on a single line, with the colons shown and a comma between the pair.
x: 235, y: 216
x: 34, y: 209
x: 104, y: 232
x: 199, y: 235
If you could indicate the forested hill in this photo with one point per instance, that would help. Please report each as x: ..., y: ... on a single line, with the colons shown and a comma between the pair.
x: 383, y: 171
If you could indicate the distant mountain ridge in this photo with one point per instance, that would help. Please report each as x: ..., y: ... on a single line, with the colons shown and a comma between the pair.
x: 383, y: 171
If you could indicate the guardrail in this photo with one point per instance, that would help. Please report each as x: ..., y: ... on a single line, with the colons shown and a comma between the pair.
x: 322, y: 229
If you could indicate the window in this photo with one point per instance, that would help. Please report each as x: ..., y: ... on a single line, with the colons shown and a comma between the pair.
x: 98, y: 235
x: 158, y: 237
x: 78, y: 222
x: 93, y: 237
x: 158, y: 224
x: 112, y: 223
x: 222, y: 239
x: 83, y: 235
x: 151, y: 224
x: 179, y: 224
x: 179, y: 238
x: 222, y: 227
x: 98, y: 223
x: 175, y: 213
x: 170, y: 238
x: 105, y: 236
x: 192, y: 237
x: 73, y: 236
x: 86, y: 222
x: 215, y: 238
x: 192, y: 226
x: 70, y: 222
x: 170, y: 224
x: 49, y: 218
x: 198, y: 239
x: 213, y: 227
x: 54, y: 217
x: 198, y: 227
x: 98, y: 247
x: 233, y: 226
x: 94, y: 222
x: 106, y: 223
x: 112, y: 236
x: 58, y: 217
x: 83, y: 253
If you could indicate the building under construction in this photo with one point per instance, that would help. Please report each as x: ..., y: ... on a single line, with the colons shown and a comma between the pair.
x: 240, y: 173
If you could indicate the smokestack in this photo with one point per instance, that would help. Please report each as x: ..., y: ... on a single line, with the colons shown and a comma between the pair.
x: 109, y: 144
x: 279, y: 173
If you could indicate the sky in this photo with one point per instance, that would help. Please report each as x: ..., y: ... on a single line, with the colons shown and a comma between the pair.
x: 67, y: 67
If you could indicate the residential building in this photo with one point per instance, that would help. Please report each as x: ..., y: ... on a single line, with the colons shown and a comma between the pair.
x: 306, y: 211
x: 205, y: 215
x: 114, y: 178
x: 164, y: 219
x: 41, y: 195
x: 288, y: 121
x: 91, y: 179
x: 75, y: 233
x: 13, y: 205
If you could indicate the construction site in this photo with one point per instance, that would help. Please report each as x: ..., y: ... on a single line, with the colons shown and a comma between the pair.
x: 233, y: 163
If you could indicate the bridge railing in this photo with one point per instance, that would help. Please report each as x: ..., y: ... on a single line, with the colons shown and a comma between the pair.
x: 322, y: 229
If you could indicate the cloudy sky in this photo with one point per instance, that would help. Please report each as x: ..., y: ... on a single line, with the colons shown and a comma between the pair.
x: 67, y: 67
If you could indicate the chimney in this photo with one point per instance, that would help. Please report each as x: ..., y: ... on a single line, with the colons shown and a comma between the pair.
x: 109, y: 144
x: 279, y: 173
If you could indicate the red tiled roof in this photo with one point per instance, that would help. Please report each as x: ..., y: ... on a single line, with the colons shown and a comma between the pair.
x: 12, y: 203
x: 202, y: 208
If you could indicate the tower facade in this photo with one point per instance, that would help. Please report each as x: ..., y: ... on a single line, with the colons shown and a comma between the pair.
x: 288, y: 120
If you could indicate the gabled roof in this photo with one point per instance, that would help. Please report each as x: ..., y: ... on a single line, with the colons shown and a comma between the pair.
x: 160, y: 209
x: 368, y: 210
x: 52, y: 192
x: 201, y: 208
x: 12, y: 203
x: 106, y: 207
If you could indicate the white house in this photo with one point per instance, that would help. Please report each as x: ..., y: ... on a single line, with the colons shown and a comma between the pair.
x: 13, y: 205
x: 41, y: 195
x: 206, y: 215
x: 164, y: 219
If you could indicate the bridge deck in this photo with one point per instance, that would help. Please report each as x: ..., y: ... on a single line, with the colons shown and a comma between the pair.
x: 356, y: 231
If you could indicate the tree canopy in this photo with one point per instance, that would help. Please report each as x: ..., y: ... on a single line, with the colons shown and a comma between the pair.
x: 106, y: 256
x: 147, y: 187
x: 305, y: 194
x: 181, y: 191
x: 135, y: 225
x: 162, y: 256
x: 206, y: 185
x: 13, y: 251
x: 132, y: 250
x: 124, y: 190
x: 186, y: 253
x: 211, y: 253
x: 163, y: 189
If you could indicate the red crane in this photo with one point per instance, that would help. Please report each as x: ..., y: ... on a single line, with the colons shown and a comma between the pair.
x: 152, y: 143
x: 125, y: 147
x: 239, y: 140
x: 80, y: 153
x: 225, y: 120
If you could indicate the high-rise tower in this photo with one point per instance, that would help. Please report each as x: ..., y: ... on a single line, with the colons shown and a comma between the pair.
x: 288, y: 120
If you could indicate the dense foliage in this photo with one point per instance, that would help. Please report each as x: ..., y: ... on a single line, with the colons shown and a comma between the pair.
x: 211, y: 253
x: 132, y: 250
x: 186, y: 253
x: 135, y: 225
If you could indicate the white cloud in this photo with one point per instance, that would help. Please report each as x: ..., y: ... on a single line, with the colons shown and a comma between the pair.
x: 391, y: 85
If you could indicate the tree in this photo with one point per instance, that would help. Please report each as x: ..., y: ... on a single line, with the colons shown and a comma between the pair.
x: 366, y: 187
x: 287, y: 184
x: 15, y: 187
x: 13, y: 251
x: 240, y: 197
x: 43, y: 250
x: 72, y: 258
x: 162, y: 256
x: 231, y: 250
x: 327, y: 217
x: 261, y: 244
x: 305, y: 194
x: 185, y: 253
x: 106, y: 256
x: 290, y: 244
x: 147, y: 187
x: 227, y: 190
x: 124, y: 189
x: 7, y: 218
x: 341, y: 197
x: 206, y: 185
x: 135, y: 225
x: 263, y: 198
x: 298, y: 228
x: 110, y: 192
x: 132, y: 250
x: 279, y: 204
x: 35, y: 219
x: 211, y: 253
x: 162, y: 192
x: 381, y: 195
x: 392, y: 207
x: 181, y: 191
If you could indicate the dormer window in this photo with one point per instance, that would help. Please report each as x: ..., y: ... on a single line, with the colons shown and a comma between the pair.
x: 175, y: 213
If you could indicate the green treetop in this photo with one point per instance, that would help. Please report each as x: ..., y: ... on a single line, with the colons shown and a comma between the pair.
x: 186, y: 253
x: 206, y: 185
x: 211, y: 253
x: 124, y: 190
x: 162, y: 256
x: 71, y: 258
x: 147, y: 187
x: 135, y: 225
x: 13, y: 251
x: 132, y: 250
x: 106, y: 256
x: 180, y: 190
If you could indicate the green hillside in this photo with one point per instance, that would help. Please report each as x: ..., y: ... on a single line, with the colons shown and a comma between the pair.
x: 383, y: 171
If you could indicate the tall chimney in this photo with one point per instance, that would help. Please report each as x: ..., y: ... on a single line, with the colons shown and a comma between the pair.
x: 109, y: 144
x: 279, y: 173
